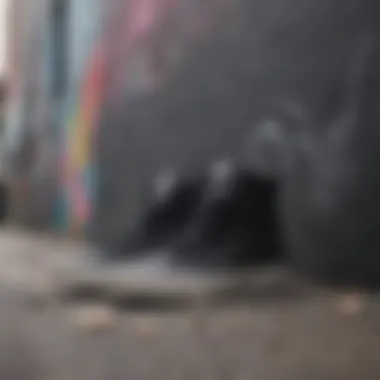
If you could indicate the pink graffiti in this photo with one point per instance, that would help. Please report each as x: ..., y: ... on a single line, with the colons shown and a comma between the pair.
x: 143, y: 16
x: 136, y: 23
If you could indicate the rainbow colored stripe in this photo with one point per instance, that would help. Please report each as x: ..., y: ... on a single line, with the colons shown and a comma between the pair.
x: 78, y: 167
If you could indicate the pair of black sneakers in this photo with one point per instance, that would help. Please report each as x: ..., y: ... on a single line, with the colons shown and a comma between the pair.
x: 225, y: 220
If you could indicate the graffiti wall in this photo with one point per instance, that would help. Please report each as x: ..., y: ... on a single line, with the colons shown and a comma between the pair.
x: 51, y: 109
x: 81, y: 60
x: 80, y: 115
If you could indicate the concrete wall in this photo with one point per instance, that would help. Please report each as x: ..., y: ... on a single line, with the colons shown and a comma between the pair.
x: 51, y: 139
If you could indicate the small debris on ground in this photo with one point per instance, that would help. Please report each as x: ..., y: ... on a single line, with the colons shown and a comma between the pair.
x: 351, y: 304
x: 94, y: 318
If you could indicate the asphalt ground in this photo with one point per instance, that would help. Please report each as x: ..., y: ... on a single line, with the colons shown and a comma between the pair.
x: 280, y: 335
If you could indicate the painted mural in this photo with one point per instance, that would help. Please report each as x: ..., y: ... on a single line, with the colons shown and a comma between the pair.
x: 84, y: 102
x: 117, y: 62
x: 110, y: 50
x: 118, y: 40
